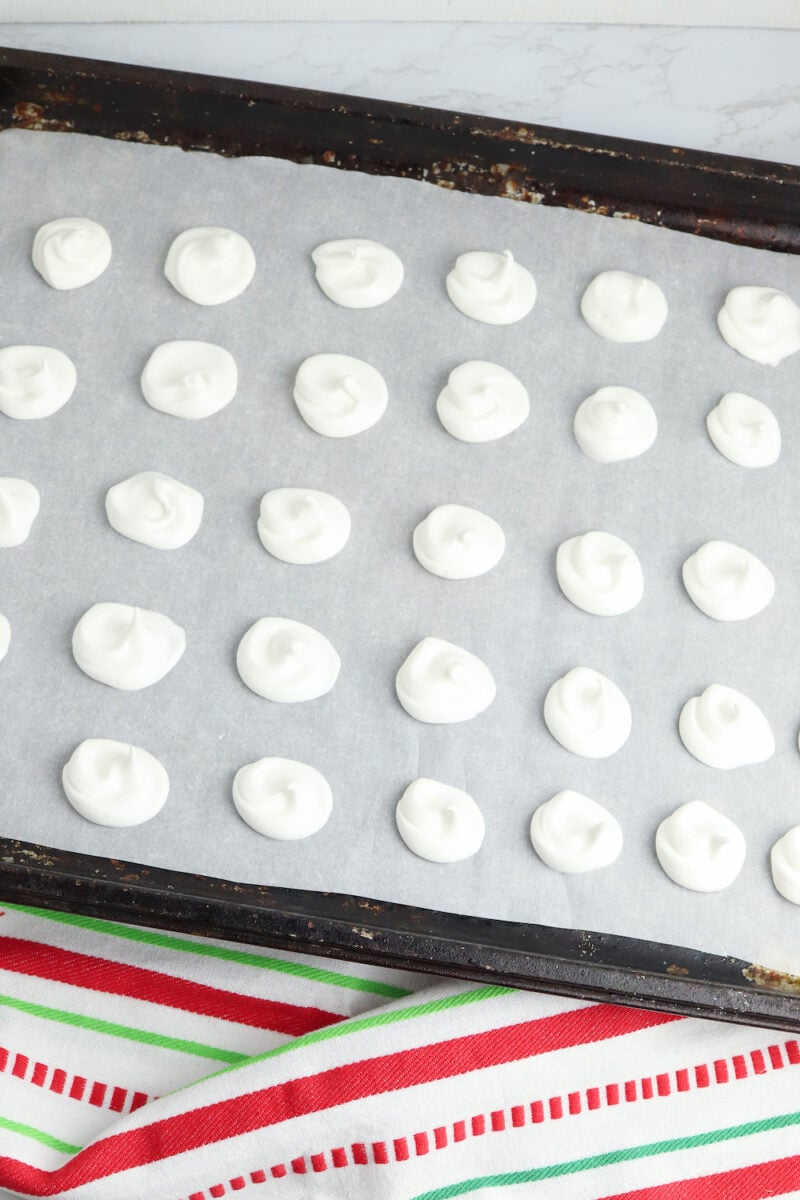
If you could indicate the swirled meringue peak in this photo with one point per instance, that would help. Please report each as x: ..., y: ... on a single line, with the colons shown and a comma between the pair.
x: 299, y: 525
x: 785, y: 863
x: 615, y: 423
x: 5, y: 635
x: 35, y: 381
x: 623, y: 307
x: 723, y: 728
x: 760, y: 323
x: 456, y: 542
x: 727, y: 582
x: 114, y: 783
x: 70, y: 252
x: 699, y: 848
x: 287, y: 661
x: 210, y: 265
x: 19, y: 507
x: 492, y: 288
x: 439, y: 822
x: 599, y: 573
x: 127, y: 648
x: 337, y: 395
x: 440, y: 683
x: 357, y: 273
x: 587, y: 713
x: 189, y: 379
x: 744, y: 430
x: 573, y: 833
x: 281, y: 798
x: 155, y: 509
x: 482, y: 402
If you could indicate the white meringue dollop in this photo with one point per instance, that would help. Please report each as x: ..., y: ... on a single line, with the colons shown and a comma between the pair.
x: 357, y: 273
x: 699, y: 848
x: 587, y: 713
x: 337, y: 395
x: 115, y: 784
x: 155, y: 509
x: 300, y: 525
x: 615, y: 423
x: 744, y: 430
x: 482, y: 402
x: 724, y: 729
x: 5, y: 635
x: 456, y: 542
x: 760, y: 323
x: 623, y: 307
x: 785, y: 864
x: 71, y: 252
x: 440, y: 683
x: 438, y: 822
x: 210, y: 265
x: 599, y: 573
x: 35, y: 381
x: 19, y: 507
x: 189, y: 379
x: 573, y: 833
x: 282, y: 798
x: 727, y: 582
x: 491, y: 287
x: 125, y: 647
x: 287, y: 661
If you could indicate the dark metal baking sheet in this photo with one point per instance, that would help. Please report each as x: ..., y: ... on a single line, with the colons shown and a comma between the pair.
x: 733, y: 199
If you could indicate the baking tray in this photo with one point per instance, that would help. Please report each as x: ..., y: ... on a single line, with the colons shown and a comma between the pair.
x: 736, y: 200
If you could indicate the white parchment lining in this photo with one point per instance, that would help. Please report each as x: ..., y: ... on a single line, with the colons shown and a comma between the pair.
x: 373, y: 600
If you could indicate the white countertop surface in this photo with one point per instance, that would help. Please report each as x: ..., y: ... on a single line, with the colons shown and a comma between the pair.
x: 732, y: 90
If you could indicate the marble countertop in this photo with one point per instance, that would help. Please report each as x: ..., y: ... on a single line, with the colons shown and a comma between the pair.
x: 732, y: 90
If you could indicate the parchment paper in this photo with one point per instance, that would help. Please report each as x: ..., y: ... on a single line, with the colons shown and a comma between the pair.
x: 373, y: 600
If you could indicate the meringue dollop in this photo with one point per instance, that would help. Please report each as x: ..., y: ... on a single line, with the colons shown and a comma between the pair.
x: 482, y: 402
x: 785, y: 864
x: 573, y: 833
x: 623, y: 307
x: 438, y: 822
x: 760, y: 323
x: 699, y: 848
x: 615, y: 423
x: 19, y: 507
x: 115, y: 784
x: 599, y: 573
x: 282, y: 798
x: 155, y: 509
x: 286, y: 661
x: 357, y: 272
x: 587, y: 713
x: 456, y: 542
x: 125, y: 647
x: 440, y: 683
x: 744, y: 431
x: 723, y: 728
x: 71, y: 252
x: 491, y: 287
x: 5, y: 635
x: 189, y: 379
x: 337, y: 395
x: 35, y: 381
x: 300, y: 525
x: 727, y: 582
x: 210, y: 265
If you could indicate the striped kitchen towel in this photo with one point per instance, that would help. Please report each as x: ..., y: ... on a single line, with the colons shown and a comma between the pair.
x: 140, y: 1065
